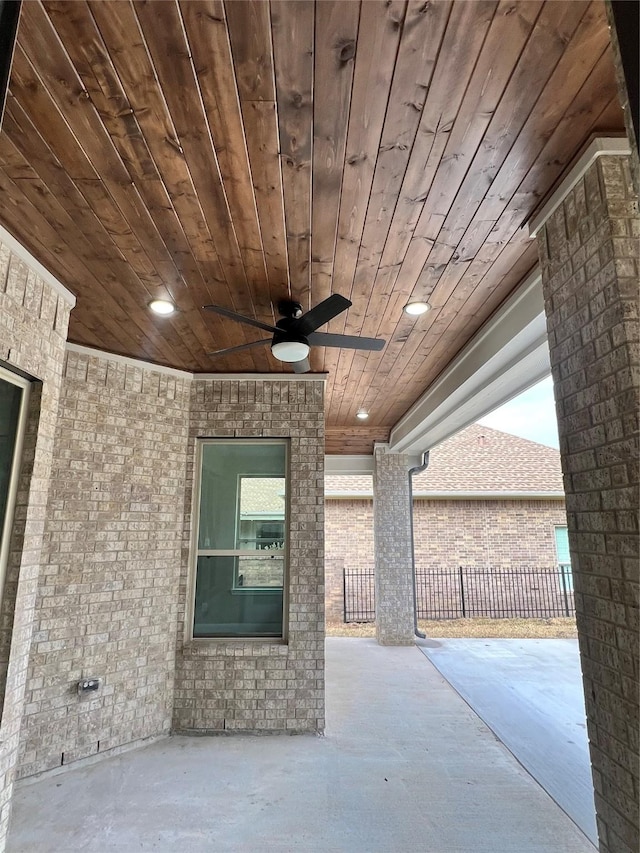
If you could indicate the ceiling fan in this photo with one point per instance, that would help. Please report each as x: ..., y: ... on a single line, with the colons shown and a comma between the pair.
x: 295, y: 333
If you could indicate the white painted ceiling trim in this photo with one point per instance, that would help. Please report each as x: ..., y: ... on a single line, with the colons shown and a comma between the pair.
x: 131, y: 362
x: 509, y: 354
x: 598, y: 147
x: 493, y: 495
x: 196, y: 377
x: 18, y: 249
x: 344, y: 465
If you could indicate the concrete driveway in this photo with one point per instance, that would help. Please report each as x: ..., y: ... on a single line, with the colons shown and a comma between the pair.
x: 529, y: 692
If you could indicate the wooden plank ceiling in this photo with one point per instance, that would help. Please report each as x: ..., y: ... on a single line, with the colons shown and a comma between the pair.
x: 240, y: 152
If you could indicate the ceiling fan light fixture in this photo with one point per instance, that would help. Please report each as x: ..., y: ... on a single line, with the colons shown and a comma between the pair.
x: 416, y: 308
x: 290, y: 351
x: 362, y: 415
x: 162, y: 306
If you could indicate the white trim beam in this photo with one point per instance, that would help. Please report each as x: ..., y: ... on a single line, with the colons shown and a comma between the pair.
x: 509, y: 354
x: 599, y: 147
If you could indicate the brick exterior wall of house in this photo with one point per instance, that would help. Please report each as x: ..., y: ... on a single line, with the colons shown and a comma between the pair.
x: 589, y: 258
x: 108, y: 593
x: 258, y: 685
x: 34, y: 319
x: 447, y: 533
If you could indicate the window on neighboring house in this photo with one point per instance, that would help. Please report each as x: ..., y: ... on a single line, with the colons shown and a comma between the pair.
x: 240, y: 538
x: 14, y: 392
x: 563, y: 556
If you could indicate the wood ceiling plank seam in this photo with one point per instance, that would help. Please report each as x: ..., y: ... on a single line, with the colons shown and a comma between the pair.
x: 88, y: 337
x: 175, y: 193
x: 59, y: 220
x: 451, y: 339
x: 47, y: 255
x: 40, y: 246
x: 609, y: 120
x: 494, y: 207
x: 66, y: 92
x: 416, y: 358
x: 260, y: 118
x: 293, y: 26
x: 336, y: 37
x: 379, y: 36
x: 443, y: 267
x: 143, y: 175
x: 558, y: 149
x: 423, y: 33
x: 181, y: 244
x: 509, y: 29
x: 440, y: 97
x: 105, y: 246
x: 157, y: 22
x: 209, y: 41
x: 212, y: 63
x: 519, y: 105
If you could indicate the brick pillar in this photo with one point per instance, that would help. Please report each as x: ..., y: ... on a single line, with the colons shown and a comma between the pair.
x: 589, y: 256
x: 393, y: 548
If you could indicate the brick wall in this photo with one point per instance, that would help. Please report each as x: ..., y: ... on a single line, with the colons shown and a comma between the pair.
x: 487, y: 533
x: 34, y: 317
x: 589, y: 257
x: 392, y: 548
x: 348, y: 538
x: 257, y: 685
x: 107, y: 596
x: 447, y: 533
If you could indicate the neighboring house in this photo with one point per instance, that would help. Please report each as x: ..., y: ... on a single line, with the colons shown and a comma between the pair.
x: 487, y: 499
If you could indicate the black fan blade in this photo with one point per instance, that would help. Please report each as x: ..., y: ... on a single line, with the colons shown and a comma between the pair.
x: 321, y: 314
x: 240, y: 347
x: 225, y: 312
x: 326, y: 339
x: 301, y: 366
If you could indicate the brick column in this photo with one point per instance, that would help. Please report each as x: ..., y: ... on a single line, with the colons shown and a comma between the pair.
x: 589, y: 256
x: 393, y: 548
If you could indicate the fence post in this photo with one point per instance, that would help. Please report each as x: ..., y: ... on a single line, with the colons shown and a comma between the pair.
x: 461, y: 576
x: 344, y: 594
x: 564, y: 589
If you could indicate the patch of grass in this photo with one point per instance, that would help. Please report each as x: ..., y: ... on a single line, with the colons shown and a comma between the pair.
x: 557, y: 628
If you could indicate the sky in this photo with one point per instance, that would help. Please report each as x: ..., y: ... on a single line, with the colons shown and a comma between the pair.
x: 531, y: 415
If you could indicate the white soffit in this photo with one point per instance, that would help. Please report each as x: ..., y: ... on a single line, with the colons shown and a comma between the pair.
x: 26, y: 256
x: 341, y: 465
x: 509, y: 354
x: 598, y: 147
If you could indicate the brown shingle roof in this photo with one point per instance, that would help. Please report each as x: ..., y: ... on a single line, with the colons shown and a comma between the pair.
x: 477, y: 459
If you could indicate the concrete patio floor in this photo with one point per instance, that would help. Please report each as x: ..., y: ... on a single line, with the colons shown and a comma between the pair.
x: 405, y: 766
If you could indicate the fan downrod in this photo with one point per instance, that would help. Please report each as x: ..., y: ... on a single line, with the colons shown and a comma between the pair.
x: 289, y: 309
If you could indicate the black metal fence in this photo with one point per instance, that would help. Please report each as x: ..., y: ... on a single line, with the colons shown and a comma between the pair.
x: 455, y: 593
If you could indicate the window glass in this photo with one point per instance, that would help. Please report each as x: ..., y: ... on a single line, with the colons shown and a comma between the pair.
x: 240, y: 570
x: 562, y: 546
x: 564, y: 557
x: 10, y: 406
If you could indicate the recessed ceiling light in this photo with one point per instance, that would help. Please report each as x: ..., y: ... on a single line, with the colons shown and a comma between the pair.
x: 362, y: 415
x: 162, y: 306
x: 416, y: 308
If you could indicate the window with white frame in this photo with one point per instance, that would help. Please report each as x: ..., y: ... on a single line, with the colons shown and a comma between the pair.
x: 563, y: 556
x: 240, y: 538
x: 14, y: 393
